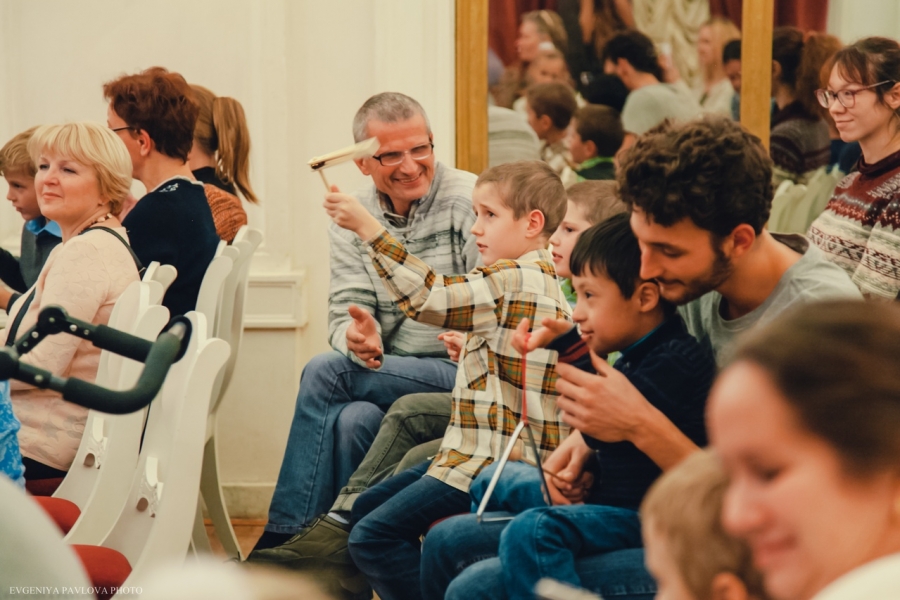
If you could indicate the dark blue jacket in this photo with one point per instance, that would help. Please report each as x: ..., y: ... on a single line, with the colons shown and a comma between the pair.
x: 674, y: 372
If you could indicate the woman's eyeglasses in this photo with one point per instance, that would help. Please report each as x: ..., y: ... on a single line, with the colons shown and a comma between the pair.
x: 847, y: 98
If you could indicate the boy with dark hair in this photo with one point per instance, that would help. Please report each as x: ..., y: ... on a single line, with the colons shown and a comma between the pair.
x: 617, y: 310
x: 550, y: 109
x: 632, y: 56
x: 517, y: 207
x: 39, y: 236
x: 595, y: 136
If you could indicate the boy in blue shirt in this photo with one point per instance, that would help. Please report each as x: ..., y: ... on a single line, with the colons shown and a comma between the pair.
x: 616, y: 311
x: 39, y: 236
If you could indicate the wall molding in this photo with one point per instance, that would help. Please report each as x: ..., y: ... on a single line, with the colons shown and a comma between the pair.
x: 276, y: 300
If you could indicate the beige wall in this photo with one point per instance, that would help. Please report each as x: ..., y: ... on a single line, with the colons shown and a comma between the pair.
x: 301, y: 68
x: 851, y: 19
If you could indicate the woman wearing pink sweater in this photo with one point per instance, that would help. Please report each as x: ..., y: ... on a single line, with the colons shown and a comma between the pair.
x: 83, y: 175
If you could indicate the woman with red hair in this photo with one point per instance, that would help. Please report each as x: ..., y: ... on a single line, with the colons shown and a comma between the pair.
x: 154, y: 113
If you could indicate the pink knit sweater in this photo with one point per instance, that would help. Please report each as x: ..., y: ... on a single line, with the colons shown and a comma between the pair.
x: 85, y: 275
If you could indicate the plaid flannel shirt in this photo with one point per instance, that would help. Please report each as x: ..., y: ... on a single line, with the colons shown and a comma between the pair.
x: 487, y: 303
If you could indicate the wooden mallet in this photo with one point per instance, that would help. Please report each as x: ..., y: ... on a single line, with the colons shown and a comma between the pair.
x: 364, y: 149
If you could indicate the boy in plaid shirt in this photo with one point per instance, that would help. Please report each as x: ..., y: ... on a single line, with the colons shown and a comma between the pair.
x: 517, y: 207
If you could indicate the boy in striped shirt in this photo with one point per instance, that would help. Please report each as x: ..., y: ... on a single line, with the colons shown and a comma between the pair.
x: 517, y: 206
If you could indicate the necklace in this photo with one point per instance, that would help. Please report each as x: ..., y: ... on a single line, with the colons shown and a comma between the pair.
x: 105, y: 217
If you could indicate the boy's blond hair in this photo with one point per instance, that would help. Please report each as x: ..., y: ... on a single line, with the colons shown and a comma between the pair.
x: 14, y: 157
x: 598, y: 200
x: 529, y: 185
x: 684, y: 507
x: 95, y: 146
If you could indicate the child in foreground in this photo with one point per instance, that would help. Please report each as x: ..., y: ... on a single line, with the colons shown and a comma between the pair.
x: 517, y: 207
x: 39, y: 236
x: 616, y: 311
x: 687, y: 550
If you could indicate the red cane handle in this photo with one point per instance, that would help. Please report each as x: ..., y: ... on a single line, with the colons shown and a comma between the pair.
x: 525, y: 381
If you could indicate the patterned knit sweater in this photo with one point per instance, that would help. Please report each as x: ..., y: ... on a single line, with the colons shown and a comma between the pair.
x: 437, y: 231
x: 860, y: 227
x: 799, y: 144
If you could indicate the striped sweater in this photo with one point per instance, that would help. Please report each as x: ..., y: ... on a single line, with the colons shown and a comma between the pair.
x: 437, y: 232
x: 860, y: 227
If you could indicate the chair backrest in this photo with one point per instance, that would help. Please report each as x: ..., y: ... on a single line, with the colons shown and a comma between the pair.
x: 784, y: 207
x: 111, y: 463
x: 155, y: 524
x: 93, y: 451
x: 821, y: 189
x: 230, y: 321
x: 209, y: 298
x: 162, y: 274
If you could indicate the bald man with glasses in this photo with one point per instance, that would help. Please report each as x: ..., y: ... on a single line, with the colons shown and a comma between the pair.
x: 378, y: 354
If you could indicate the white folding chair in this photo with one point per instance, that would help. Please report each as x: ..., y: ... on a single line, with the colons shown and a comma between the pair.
x: 154, y: 525
x: 164, y: 275
x: 229, y: 327
x: 104, y: 464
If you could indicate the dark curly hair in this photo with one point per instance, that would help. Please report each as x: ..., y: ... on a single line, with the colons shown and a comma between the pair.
x: 637, y: 49
x: 159, y: 102
x: 709, y: 170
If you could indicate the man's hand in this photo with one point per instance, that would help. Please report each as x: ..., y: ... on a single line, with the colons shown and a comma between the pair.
x: 453, y: 341
x: 362, y: 337
x: 347, y: 212
x: 571, y: 482
x: 605, y: 406
x: 540, y: 337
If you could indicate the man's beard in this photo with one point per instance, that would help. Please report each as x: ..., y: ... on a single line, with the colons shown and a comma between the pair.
x: 716, y: 275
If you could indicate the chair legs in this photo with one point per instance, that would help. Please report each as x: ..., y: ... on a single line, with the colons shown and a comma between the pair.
x: 211, y: 492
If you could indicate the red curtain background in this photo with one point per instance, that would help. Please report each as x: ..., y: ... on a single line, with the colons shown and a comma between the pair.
x: 808, y: 15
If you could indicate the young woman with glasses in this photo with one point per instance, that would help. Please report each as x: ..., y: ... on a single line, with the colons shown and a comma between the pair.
x: 860, y: 227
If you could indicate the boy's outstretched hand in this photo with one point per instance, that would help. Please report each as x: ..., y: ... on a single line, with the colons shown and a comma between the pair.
x: 362, y: 337
x: 453, y: 341
x: 540, y: 337
x: 348, y: 213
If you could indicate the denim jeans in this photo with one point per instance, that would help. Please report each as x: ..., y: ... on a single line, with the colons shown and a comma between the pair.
x: 354, y: 432
x: 460, y: 562
x: 306, y: 483
x: 387, y: 522
x: 517, y: 490
x: 411, y: 421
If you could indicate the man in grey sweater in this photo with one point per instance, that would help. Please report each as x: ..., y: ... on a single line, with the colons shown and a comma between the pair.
x: 379, y: 355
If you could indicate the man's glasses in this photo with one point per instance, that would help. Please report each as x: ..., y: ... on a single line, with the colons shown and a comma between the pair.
x: 391, y: 159
x: 847, y: 98
x: 126, y: 128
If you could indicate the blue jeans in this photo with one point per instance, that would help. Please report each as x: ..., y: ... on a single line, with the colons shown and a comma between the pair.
x: 460, y: 561
x: 354, y: 432
x: 517, y: 490
x: 388, y: 520
x: 306, y: 483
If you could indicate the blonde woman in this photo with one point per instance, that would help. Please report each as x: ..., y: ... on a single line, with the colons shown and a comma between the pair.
x: 715, y: 91
x: 220, y: 159
x: 83, y: 176
x: 540, y: 30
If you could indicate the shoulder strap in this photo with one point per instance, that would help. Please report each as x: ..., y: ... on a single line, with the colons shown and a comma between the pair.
x: 14, y: 328
x: 137, y: 262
